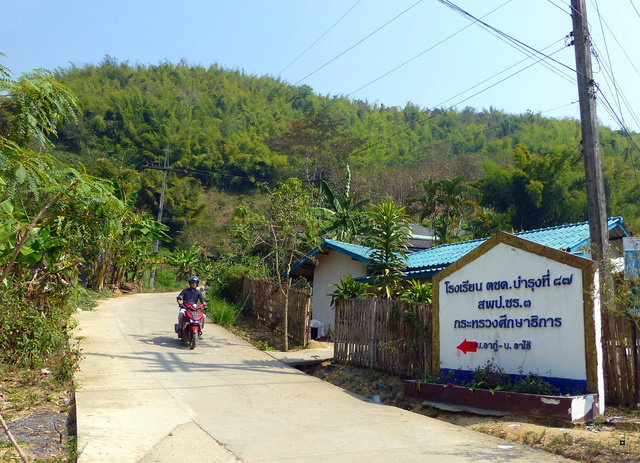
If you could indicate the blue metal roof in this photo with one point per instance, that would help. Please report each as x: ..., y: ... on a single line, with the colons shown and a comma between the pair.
x: 570, y: 238
x: 354, y: 251
x: 422, y: 264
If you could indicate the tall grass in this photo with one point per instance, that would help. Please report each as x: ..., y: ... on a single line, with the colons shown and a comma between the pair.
x: 223, y: 313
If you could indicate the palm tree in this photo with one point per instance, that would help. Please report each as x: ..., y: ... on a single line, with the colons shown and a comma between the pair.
x: 387, y: 242
x: 445, y: 203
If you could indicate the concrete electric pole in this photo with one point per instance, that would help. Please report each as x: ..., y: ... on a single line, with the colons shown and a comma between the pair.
x: 596, y: 205
x: 152, y: 277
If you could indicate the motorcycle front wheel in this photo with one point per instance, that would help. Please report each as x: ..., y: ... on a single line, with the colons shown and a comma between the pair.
x: 192, y: 340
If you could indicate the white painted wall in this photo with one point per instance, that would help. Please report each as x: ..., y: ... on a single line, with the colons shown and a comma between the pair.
x: 555, y: 351
x: 330, y: 268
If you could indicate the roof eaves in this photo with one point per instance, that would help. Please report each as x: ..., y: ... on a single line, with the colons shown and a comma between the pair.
x: 348, y: 249
x: 307, y: 257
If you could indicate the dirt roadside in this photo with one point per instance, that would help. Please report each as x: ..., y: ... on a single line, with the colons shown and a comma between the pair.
x: 615, y: 437
x: 40, y: 414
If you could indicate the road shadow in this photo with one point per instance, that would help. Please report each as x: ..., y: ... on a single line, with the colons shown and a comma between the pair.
x: 170, y: 357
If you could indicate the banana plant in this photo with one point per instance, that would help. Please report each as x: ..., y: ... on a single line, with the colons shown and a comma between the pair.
x: 185, y: 261
x: 346, y: 223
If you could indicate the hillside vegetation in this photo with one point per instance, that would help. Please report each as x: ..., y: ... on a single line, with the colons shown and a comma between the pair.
x: 230, y: 131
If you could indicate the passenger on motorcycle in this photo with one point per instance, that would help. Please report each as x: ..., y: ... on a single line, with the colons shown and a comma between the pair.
x: 190, y: 295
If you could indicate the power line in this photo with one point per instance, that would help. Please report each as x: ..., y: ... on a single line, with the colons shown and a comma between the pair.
x: 613, y: 114
x: 358, y: 43
x: 557, y: 71
x: 319, y: 38
x: 608, y: 72
x: 499, y: 82
x: 606, y: 47
x: 617, y: 92
x: 187, y: 171
x: 518, y: 45
x: 634, y: 7
x: 515, y: 43
x: 395, y: 134
x: 424, y: 51
x: 559, y: 7
x: 558, y: 107
x: 596, y: 56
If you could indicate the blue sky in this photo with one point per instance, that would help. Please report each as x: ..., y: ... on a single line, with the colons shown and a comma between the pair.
x: 443, y: 58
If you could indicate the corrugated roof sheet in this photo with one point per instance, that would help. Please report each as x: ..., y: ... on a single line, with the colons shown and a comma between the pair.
x: 355, y: 251
x: 569, y: 238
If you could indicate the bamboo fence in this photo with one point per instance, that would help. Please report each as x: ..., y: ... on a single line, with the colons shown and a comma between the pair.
x: 384, y: 335
x: 620, y: 349
x: 395, y: 337
x: 268, y: 305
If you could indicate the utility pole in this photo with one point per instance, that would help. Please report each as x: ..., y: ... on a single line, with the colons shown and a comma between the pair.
x: 152, y: 277
x: 596, y: 206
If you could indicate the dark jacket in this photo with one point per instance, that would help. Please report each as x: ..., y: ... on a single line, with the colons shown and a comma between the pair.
x: 191, y: 296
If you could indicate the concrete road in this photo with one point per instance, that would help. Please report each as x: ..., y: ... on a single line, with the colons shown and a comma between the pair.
x: 143, y: 396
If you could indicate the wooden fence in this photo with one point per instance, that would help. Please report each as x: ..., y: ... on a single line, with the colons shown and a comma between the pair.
x: 621, y: 353
x: 384, y: 335
x: 395, y: 337
x: 268, y: 304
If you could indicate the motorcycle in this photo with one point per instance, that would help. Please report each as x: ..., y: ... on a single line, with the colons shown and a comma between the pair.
x: 192, y: 324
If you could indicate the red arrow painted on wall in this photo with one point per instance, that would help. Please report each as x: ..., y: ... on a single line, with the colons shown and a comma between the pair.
x: 468, y: 346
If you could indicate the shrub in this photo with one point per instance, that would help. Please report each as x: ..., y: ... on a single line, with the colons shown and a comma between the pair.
x: 225, y: 277
x: 416, y: 292
x: 348, y: 288
x: 28, y: 338
x: 490, y: 376
x: 223, y: 313
x: 534, y: 384
x: 165, y: 281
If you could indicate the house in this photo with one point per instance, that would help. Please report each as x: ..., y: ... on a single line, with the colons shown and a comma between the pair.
x: 421, y: 238
x: 333, y: 260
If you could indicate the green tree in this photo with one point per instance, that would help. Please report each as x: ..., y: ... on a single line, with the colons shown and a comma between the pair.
x: 31, y: 110
x: 388, y: 249
x: 55, y: 221
x: 538, y: 191
x: 182, y: 203
x: 319, y: 142
x: 485, y: 223
x: 283, y: 234
x: 185, y: 262
x: 445, y: 203
x: 237, y: 130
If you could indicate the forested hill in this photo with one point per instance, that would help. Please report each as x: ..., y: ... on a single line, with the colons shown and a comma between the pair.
x: 230, y: 130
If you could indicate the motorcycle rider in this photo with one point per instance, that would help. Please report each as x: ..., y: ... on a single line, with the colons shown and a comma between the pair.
x: 192, y: 296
